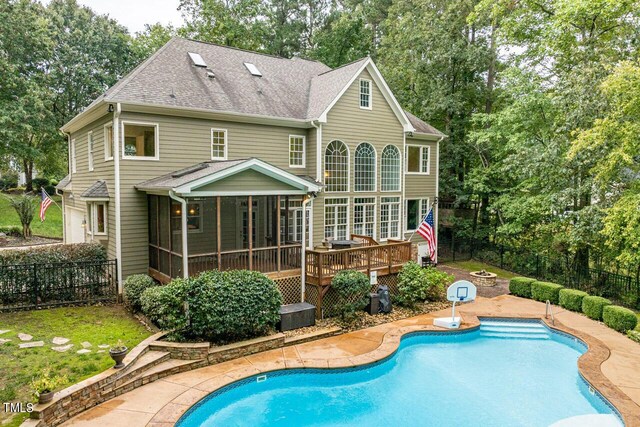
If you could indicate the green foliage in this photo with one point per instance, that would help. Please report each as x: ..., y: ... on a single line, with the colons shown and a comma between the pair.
x: 352, y: 288
x: 46, y: 383
x: 543, y: 291
x: 52, y: 254
x: 521, y: 286
x: 133, y: 288
x: 571, y: 299
x: 634, y: 335
x: 152, y: 38
x: 8, y: 180
x: 417, y: 284
x: 216, y: 306
x: 11, y: 230
x: 592, y: 306
x: 619, y: 318
x: 25, y: 207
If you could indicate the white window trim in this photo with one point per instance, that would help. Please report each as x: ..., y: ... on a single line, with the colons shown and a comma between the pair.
x: 90, y: 150
x: 375, y: 213
x: 156, y: 135
x: 107, y: 142
x: 304, y: 152
x: 400, y: 186
x: 324, y: 216
x: 92, y: 224
x: 324, y: 171
x: 73, y: 156
x: 370, y: 107
x: 421, y: 202
x: 226, y: 143
x: 422, y: 148
x: 375, y: 169
x: 400, y: 225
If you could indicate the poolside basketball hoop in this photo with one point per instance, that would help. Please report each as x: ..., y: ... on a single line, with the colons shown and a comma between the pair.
x: 460, y: 291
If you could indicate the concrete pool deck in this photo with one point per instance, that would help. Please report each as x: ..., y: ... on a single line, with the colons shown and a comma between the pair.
x: 612, y: 364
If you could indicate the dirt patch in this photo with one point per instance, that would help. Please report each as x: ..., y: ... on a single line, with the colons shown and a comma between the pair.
x: 501, y: 287
x: 14, y: 242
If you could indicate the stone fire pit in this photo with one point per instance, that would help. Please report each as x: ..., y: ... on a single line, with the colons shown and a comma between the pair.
x: 483, y: 278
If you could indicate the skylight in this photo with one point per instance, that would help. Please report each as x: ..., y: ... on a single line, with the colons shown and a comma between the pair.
x: 253, y: 69
x: 197, y: 59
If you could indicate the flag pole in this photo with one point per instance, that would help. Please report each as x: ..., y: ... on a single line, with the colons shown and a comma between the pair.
x: 54, y: 202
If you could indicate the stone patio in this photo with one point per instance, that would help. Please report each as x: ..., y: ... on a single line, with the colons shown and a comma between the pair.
x: 612, y: 364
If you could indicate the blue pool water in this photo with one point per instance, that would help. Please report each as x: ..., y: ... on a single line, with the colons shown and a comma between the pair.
x: 504, y: 374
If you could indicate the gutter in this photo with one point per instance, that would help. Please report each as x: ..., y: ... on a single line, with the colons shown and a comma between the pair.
x: 185, y: 248
x: 116, y: 179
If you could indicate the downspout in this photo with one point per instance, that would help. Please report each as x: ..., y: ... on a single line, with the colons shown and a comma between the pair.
x: 318, y: 127
x: 303, y: 262
x: 116, y: 179
x: 185, y: 248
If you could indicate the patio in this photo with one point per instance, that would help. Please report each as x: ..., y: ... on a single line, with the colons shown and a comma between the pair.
x: 612, y: 364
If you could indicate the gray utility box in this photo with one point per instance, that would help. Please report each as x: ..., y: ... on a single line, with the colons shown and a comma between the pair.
x: 374, y: 304
x: 298, y: 315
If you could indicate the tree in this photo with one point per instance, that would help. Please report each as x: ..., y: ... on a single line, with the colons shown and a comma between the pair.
x: 25, y: 207
x: 152, y: 38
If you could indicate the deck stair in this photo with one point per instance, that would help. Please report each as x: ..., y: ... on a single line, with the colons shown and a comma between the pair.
x: 514, y: 330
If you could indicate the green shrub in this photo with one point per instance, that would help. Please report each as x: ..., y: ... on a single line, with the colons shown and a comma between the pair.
x: 521, y: 286
x: 11, y: 230
x: 571, y: 299
x: 133, y: 287
x: 52, y: 254
x: 352, y: 288
x: 39, y: 182
x: 215, y: 306
x: 619, y: 318
x: 543, y: 291
x: 9, y: 180
x: 634, y: 335
x: 417, y: 284
x: 592, y: 306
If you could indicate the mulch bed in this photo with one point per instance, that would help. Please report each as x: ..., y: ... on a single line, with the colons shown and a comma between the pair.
x: 9, y: 242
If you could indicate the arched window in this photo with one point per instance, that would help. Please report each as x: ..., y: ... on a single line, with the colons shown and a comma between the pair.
x: 390, y: 170
x: 365, y: 168
x: 336, y: 167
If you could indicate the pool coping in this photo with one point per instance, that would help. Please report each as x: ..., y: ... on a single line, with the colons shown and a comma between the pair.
x: 219, y: 376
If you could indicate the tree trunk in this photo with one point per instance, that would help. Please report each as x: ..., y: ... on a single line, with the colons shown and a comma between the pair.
x: 28, y: 174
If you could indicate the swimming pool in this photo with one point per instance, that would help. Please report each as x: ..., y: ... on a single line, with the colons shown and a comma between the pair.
x: 506, y: 373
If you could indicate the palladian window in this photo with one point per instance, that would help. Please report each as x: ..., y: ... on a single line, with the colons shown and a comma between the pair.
x: 390, y: 173
x: 336, y: 167
x: 365, y: 168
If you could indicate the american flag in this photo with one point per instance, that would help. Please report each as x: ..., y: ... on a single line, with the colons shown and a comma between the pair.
x: 427, y: 230
x: 45, y: 202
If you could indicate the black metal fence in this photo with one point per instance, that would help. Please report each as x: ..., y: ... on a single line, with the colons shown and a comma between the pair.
x: 27, y: 286
x: 553, y: 267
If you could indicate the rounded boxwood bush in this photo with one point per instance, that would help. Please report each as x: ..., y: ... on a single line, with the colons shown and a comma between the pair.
x: 133, y: 288
x: 521, y: 286
x: 417, y: 284
x: 619, y: 318
x: 571, y: 299
x: 164, y: 306
x: 592, y: 306
x: 352, y: 288
x: 543, y: 291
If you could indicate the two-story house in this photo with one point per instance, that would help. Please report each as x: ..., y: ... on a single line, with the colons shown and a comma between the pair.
x: 209, y: 157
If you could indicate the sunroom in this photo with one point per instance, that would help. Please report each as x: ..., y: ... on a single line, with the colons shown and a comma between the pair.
x: 223, y: 215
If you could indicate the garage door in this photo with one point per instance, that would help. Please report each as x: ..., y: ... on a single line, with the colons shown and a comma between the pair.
x: 74, y: 232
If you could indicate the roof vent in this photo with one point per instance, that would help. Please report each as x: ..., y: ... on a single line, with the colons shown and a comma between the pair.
x: 187, y: 171
x: 210, y: 73
x: 253, y: 69
x: 197, y: 59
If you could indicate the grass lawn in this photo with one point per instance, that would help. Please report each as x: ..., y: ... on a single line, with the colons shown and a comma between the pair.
x: 474, y: 265
x: 51, y: 227
x: 95, y: 324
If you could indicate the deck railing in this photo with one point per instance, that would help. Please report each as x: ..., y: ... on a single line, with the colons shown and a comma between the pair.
x: 322, y: 266
x: 365, y: 240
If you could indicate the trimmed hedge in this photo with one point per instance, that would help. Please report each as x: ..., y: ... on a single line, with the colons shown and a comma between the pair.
x: 592, y: 306
x: 543, y: 291
x: 417, y: 284
x: 619, y: 318
x: 353, y: 288
x: 133, y: 288
x: 571, y: 299
x: 521, y: 286
x: 215, y: 306
x: 54, y: 254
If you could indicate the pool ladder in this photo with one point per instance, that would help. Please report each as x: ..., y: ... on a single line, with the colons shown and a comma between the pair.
x: 549, y: 309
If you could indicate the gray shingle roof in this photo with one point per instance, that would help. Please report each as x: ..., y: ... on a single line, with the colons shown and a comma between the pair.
x: 98, y: 190
x: 64, y: 182
x: 422, y: 126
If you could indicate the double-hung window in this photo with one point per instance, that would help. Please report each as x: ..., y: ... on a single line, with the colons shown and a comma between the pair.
x: 90, y: 150
x: 336, y: 218
x: 218, y: 144
x: 364, y: 216
x: 97, y: 218
x: 418, y: 159
x: 415, y: 212
x: 108, y: 141
x: 72, y: 149
x: 296, y: 151
x: 389, y: 218
x: 365, y: 94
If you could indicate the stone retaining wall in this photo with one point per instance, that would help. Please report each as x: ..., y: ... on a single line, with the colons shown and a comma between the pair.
x: 245, y: 348
x: 182, y: 351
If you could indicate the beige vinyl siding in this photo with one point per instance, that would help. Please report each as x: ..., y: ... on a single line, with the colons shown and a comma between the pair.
x: 312, y: 138
x: 83, y: 178
x: 418, y: 186
x: 352, y: 125
x: 184, y: 142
